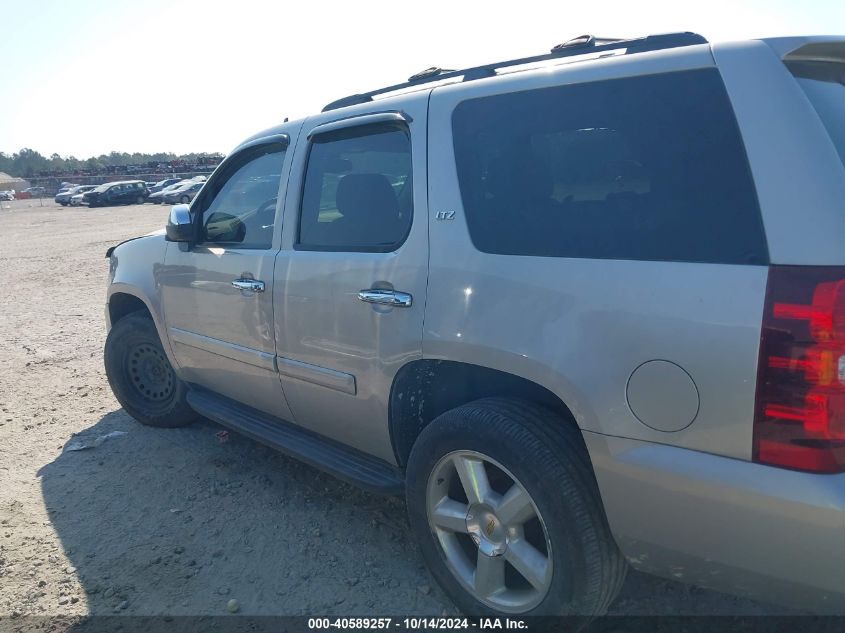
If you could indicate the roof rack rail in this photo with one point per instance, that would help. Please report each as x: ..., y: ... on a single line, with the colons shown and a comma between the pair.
x: 582, y: 45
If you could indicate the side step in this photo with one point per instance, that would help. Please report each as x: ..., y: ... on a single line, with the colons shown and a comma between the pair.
x: 343, y: 462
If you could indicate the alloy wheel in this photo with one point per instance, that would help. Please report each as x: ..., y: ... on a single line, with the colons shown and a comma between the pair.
x: 490, y: 532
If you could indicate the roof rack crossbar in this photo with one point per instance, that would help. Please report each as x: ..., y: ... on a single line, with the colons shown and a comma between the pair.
x: 582, y: 45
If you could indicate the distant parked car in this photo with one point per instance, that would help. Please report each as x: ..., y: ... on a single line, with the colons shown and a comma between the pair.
x: 163, y: 184
x: 183, y: 194
x: 7, y: 195
x: 64, y: 197
x: 35, y: 192
x: 158, y: 196
x: 112, y: 193
x: 78, y: 199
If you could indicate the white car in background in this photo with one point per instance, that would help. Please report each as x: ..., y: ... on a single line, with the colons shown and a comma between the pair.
x: 64, y: 197
x: 7, y: 195
x: 76, y: 200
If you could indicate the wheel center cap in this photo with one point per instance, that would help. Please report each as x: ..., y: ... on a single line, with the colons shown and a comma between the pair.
x: 486, y: 530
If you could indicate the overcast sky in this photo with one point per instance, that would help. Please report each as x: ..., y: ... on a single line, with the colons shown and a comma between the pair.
x: 87, y: 77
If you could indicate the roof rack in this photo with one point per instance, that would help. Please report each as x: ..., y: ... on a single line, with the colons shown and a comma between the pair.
x: 582, y: 45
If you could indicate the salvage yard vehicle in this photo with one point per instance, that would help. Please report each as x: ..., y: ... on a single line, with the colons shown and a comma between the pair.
x: 183, y: 194
x: 161, y: 184
x: 78, y: 199
x: 112, y: 193
x: 157, y: 197
x: 568, y: 304
x: 64, y: 198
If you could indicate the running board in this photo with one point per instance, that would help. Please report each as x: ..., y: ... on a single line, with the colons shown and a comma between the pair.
x: 343, y: 462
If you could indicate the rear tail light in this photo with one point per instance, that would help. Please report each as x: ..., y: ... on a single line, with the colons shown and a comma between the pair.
x: 800, y: 411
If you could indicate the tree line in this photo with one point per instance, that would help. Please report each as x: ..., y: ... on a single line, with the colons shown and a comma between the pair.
x: 27, y: 163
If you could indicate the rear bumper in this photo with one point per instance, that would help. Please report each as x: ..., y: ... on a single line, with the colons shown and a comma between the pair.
x: 727, y: 524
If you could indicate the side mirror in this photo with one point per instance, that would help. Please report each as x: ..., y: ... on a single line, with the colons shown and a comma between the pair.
x: 180, y: 224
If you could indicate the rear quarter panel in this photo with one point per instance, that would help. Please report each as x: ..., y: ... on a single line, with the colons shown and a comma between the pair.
x: 580, y: 327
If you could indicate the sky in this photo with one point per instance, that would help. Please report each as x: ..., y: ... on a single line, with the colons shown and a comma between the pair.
x: 87, y: 77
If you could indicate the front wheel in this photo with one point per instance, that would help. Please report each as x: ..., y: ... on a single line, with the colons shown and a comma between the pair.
x: 139, y: 200
x: 184, y: 200
x: 141, y: 377
x: 503, y: 501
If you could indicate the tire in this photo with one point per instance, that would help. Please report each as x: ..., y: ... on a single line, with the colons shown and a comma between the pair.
x: 139, y: 200
x: 184, y: 199
x: 141, y: 377
x: 523, y: 448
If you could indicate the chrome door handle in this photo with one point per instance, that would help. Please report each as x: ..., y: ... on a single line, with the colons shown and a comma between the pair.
x: 386, y: 297
x: 253, y: 285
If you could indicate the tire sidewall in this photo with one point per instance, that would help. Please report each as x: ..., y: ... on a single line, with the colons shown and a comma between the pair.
x: 127, y: 333
x: 455, y: 430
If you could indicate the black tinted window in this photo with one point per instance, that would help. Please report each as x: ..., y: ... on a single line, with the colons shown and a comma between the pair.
x: 648, y: 168
x: 240, y: 207
x: 358, y: 193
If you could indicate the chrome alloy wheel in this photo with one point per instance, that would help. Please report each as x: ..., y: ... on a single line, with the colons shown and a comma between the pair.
x: 490, y: 531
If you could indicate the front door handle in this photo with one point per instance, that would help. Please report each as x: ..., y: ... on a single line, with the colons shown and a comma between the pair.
x: 253, y: 285
x: 386, y: 297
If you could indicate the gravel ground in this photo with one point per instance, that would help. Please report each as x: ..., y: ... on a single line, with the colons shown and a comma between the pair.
x: 174, y: 522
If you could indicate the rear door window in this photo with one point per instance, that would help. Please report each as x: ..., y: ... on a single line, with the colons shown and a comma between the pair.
x: 824, y: 85
x: 357, y: 194
x: 643, y: 168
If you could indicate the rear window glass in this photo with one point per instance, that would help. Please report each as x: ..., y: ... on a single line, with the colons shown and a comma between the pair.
x: 824, y: 85
x: 644, y: 168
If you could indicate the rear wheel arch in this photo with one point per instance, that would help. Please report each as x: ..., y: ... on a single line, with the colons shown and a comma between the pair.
x: 424, y: 389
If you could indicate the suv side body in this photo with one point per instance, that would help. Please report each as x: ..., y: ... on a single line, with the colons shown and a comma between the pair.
x: 650, y: 347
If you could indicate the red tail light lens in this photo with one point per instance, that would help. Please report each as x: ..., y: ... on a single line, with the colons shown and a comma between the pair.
x: 800, y: 411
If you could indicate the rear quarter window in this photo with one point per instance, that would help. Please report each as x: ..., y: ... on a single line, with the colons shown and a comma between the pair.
x: 642, y: 168
x: 824, y: 85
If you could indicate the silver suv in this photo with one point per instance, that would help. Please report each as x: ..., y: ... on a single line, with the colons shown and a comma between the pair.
x: 585, y: 310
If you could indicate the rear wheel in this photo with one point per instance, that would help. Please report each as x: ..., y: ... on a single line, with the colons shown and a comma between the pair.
x: 184, y: 200
x: 141, y: 377
x: 504, y: 504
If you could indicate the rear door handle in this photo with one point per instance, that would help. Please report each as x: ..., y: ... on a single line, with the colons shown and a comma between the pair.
x: 253, y: 285
x: 386, y: 297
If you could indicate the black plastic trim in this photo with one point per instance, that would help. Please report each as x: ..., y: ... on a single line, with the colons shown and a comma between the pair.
x: 343, y: 462
x: 580, y: 46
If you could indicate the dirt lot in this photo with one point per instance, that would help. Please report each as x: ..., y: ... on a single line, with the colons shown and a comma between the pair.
x: 174, y: 522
